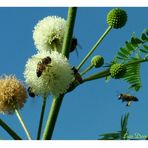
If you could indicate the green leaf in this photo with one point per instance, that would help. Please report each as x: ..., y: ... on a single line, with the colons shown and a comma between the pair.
x: 119, y: 135
x: 132, y: 76
x: 146, y: 30
x: 129, y: 46
x: 122, y: 55
x: 111, y: 136
x: 144, y: 51
x: 144, y: 37
x: 107, y: 79
x: 138, y: 41
x: 146, y: 47
x: 124, y: 122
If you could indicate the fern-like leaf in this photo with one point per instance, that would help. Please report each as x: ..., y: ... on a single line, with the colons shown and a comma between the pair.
x: 120, y: 135
x: 133, y: 46
x: 132, y: 76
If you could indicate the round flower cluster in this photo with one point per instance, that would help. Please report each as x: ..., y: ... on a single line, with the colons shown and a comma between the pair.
x: 117, y: 71
x: 48, y: 73
x: 117, y: 18
x: 97, y: 61
x: 48, y: 34
x: 12, y: 94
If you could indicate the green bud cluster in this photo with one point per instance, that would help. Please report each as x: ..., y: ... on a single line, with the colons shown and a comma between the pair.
x: 117, y: 71
x: 116, y: 18
x: 97, y: 61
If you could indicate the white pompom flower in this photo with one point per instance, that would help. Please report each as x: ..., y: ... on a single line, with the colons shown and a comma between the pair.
x: 48, y: 34
x: 55, y: 77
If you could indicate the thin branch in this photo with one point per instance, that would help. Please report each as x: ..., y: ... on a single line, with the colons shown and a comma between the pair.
x: 94, y: 47
x: 57, y: 101
x: 23, y: 124
x: 41, y: 118
x: 12, y: 133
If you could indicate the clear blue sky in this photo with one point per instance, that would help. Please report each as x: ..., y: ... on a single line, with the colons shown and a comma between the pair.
x: 93, y: 108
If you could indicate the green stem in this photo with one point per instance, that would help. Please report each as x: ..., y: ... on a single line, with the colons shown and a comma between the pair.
x: 99, y: 75
x: 69, y: 31
x: 23, y: 124
x: 41, y: 118
x: 87, y: 69
x: 94, y: 47
x: 57, y: 101
x: 137, y: 61
x: 12, y: 133
x: 106, y: 73
x: 53, y: 114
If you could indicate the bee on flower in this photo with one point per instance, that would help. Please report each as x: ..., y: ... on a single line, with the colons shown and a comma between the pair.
x: 53, y: 78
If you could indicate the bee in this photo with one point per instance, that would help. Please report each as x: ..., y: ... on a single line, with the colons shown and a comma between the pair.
x: 31, y: 94
x: 74, y: 43
x: 41, y: 66
x: 77, y: 75
x: 127, y: 98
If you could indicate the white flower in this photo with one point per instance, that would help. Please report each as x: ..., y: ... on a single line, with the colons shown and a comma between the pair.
x: 55, y: 78
x: 12, y: 94
x: 48, y: 34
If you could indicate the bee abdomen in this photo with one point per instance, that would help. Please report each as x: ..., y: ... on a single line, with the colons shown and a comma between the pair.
x: 135, y: 99
x: 31, y: 94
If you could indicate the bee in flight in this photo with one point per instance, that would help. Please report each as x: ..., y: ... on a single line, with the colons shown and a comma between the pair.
x: 41, y: 66
x: 31, y: 94
x: 127, y: 98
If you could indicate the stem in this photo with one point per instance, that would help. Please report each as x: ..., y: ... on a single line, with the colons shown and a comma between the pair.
x: 87, y: 69
x: 105, y: 73
x: 137, y: 61
x: 57, y: 101
x: 53, y: 114
x: 69, y: 31
x: 94, y: 47
x: 41, y: 118
x: 101, y: 74
x: 23, y: 124
x: 12, y: 133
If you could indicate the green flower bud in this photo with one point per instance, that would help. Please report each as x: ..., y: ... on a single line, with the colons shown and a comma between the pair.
x: 97, y: 61
x: 117, y: 71
x: 116, y: 18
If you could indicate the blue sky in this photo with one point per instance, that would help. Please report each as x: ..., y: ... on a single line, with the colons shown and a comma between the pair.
x: 93, y: 108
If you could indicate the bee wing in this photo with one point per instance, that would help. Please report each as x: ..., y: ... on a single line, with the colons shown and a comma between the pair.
x: 77, y: 52
x: 79, y: 46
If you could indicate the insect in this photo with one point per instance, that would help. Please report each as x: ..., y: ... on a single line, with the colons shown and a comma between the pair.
x: 74, y: 44
x: 127, y: 98
x: 41, y: 66
x: 31, y: 94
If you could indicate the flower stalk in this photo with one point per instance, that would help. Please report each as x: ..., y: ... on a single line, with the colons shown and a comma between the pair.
x: 41, y: 118
x: 23, y: 124
x: 87, y: 69
x: 12, y: 133
x: 94, y: 47
x: 106, y: 73
x: 53, y: 114
x: 57, y: 101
